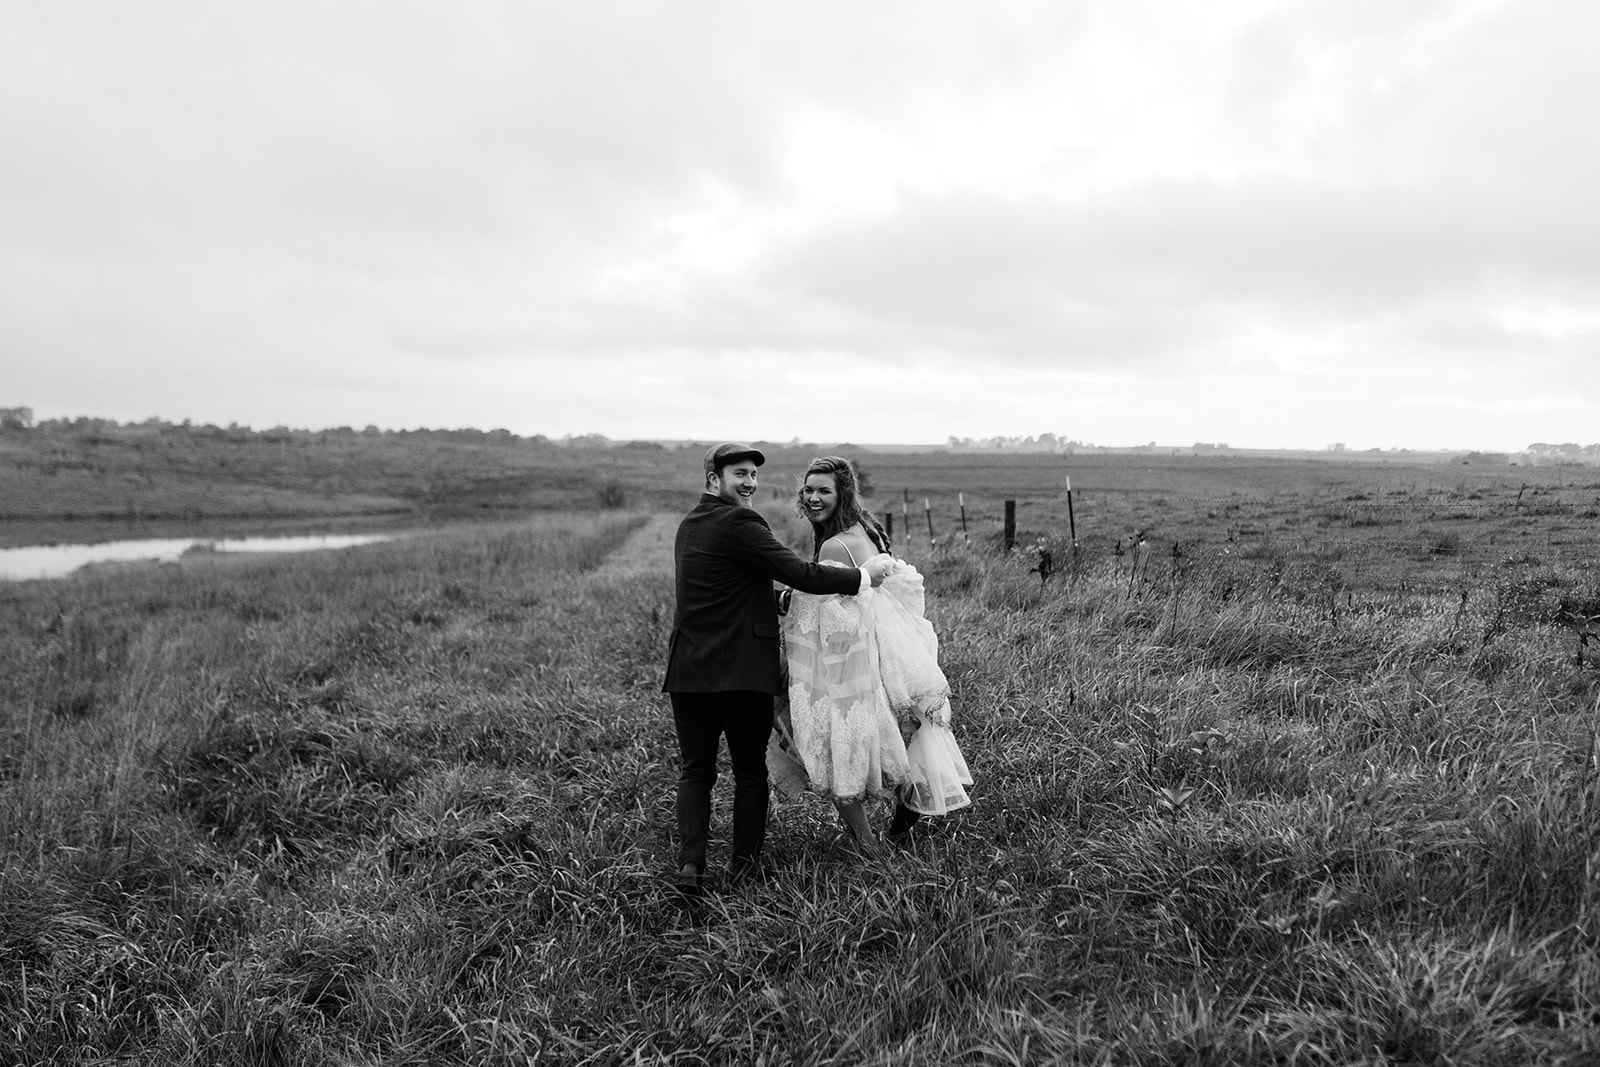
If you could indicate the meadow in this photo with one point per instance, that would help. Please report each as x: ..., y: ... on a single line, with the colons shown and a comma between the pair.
x: 117, y: 482
x: 1319, y: 788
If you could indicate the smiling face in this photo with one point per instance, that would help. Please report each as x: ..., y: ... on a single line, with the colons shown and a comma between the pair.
x: 819, y: 496
x: 735, y: 483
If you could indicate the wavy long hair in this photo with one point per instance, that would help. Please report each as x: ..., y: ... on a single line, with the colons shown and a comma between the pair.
x: 852, y: 508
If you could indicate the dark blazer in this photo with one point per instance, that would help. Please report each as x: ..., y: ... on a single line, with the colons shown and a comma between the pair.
x: 725, y: 628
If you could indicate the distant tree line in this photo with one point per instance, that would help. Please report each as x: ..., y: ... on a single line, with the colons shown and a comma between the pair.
x: 1045, y: 442
x: 1540, y: 448
x: 20, y: 420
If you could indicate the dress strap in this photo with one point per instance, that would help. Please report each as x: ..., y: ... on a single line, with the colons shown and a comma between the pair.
x: 846, y: 548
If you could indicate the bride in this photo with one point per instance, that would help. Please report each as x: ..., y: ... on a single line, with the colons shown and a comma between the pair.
x: 869, y: 708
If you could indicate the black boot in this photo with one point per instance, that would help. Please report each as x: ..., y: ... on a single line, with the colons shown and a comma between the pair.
x: 904, y: 819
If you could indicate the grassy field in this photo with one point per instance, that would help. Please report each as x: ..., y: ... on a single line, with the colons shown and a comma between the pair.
x: 1383, y: 524
x: 139, y: 481
x: 411, y: 804
x: 118, y: 482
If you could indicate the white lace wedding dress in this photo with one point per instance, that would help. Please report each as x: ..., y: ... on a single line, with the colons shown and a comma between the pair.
x: 863, y: 678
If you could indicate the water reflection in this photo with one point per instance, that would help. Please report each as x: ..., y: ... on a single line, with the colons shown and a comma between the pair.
x: 54, y: 561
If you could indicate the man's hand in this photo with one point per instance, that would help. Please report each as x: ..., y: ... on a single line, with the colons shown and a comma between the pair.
x: 878, y: 568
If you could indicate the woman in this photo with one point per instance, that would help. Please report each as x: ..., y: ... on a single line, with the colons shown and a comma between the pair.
x: 864, y: 677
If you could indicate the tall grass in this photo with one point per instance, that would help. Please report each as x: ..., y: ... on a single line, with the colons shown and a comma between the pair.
x: 411, y: 803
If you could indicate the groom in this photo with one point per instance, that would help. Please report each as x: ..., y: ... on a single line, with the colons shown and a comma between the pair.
x: 722, y: 663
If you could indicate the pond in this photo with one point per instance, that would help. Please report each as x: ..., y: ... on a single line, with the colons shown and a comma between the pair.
x: 55, y: 561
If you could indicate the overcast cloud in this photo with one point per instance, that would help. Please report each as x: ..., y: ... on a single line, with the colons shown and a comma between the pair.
x: 1120, y: 221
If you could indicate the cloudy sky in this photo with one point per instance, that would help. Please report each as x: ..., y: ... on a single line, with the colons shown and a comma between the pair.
x: 1270, y: 224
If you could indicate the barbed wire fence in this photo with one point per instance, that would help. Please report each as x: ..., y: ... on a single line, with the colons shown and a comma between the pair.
x: 1523, y: 562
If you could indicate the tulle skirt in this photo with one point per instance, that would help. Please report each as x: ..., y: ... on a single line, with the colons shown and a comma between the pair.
x: 939, y: 772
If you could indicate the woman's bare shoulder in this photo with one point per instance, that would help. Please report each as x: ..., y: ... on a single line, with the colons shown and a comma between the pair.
x: 833, y: 551
x: 851, y: 546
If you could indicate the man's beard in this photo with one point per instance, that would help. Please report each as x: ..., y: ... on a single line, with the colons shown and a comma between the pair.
x: 731, y: 495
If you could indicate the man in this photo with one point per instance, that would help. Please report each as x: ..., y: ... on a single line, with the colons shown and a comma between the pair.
x: 722, y: 664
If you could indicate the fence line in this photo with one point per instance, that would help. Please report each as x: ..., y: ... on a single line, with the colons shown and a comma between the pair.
x: 1238, y: 528
x: 1577, y: 497
x: 1511, y: 582
x: 1425, y: 550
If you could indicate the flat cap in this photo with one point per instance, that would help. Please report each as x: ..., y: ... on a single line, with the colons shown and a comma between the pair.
x: 719, y: 456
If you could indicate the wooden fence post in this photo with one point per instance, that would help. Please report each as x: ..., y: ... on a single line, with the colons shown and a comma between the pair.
x: 927, y: 510
x: 1072, y: 526
x: 1072, y: 523
x: 1011, y: 524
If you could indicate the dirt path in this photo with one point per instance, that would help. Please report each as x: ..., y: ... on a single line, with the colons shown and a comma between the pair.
x: 648, y: 550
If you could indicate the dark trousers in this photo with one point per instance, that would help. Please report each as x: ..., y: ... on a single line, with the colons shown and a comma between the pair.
x: 702, y: 719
